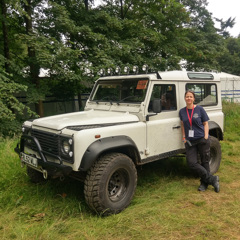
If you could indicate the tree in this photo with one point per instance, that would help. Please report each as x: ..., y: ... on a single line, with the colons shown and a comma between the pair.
x: 5, y: 35
x: 229, y: 23
x: 204, y: 44
x: 164, y: 32
x: 86, y: 3
x: 68, y: 68
x: 34, y: 67
x: 72, y: 40
x: 45, y: 48
x: 229, y: 59
x: 21, y: 59
x: 137, y: 32
x: 11, y: 110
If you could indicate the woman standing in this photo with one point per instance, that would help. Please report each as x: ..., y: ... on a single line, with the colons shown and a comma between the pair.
x: 195, y: 132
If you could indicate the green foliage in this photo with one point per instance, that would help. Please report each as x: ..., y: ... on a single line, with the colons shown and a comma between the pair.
x: 72, y: 40
x: 11, y: 110
x: 231, y: 124
x: 229, y: 23
x: 230, y: 57
x: 204, y: 45
x: 150, y: 32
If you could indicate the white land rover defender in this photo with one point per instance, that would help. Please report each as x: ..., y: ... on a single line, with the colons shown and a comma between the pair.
x: 129, y: 120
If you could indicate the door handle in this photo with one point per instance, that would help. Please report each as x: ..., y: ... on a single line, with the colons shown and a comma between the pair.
x: 176, y: 127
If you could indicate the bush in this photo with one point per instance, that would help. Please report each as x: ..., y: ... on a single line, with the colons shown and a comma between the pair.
x: 11, y: 110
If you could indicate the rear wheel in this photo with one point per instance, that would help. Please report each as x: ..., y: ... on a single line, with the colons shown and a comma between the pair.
x: 215, y: 154
x: 110, y: 184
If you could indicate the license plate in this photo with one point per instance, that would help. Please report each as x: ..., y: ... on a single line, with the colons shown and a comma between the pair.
x: 29, y: 160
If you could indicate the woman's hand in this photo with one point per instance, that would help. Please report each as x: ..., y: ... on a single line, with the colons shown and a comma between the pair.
x: 206, y: 130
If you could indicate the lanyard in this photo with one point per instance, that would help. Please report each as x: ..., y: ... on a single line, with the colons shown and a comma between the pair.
x: 190, y: 119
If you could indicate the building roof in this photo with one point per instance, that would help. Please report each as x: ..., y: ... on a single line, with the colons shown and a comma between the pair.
x: 226, y: 76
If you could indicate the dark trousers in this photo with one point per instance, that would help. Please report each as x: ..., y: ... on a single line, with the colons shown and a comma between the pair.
x: 201, y: 146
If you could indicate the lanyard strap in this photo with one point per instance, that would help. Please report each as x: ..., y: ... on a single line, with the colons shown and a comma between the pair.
x: 190, y: 119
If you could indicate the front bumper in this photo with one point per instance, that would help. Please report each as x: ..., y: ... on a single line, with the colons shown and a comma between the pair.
x: 53, y: 169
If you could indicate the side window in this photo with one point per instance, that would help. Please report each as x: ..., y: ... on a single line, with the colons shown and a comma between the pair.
x: 205, y: 94
x: 167, y: 94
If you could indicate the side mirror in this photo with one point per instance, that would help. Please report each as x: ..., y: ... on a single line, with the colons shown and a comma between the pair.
x: 157, y: 106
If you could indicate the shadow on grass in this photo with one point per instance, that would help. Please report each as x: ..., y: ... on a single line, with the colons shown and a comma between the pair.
x: 71, y: 191
x: 68, y: 187
x: 171, y: 168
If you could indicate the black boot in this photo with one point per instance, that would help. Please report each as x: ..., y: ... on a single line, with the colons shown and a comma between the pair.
x: 203, y: 186
x: 215, y: 183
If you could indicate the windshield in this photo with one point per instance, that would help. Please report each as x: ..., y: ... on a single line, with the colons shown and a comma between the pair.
x: 120, y: 91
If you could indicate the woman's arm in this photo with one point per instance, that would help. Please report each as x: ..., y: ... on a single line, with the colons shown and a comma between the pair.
x: 206, y: 130
x: 183, y: 132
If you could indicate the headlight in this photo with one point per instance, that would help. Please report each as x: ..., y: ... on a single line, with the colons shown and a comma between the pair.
x: 67, y: 147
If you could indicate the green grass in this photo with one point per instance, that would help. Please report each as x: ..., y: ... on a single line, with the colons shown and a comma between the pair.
x: 166, y: 205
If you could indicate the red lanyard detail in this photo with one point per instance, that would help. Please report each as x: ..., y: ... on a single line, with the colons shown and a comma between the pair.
x: 190, y: 119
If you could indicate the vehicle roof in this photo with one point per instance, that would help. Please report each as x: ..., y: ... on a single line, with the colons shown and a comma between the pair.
x: 171, y: 76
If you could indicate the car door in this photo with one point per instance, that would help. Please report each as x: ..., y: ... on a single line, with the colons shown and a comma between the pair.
x: 163, y: 129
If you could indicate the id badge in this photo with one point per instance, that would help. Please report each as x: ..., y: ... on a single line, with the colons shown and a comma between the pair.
x: 191, y: 133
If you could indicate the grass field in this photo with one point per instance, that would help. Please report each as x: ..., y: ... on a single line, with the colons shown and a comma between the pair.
x: 166, y: 205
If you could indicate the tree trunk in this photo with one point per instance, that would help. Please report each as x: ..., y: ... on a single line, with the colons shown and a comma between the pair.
x: 86, y: 4
x: 5, y: 35
x: 34, y: 68
x: 122, y: 14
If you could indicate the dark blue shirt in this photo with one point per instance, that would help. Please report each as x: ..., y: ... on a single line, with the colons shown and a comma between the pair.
x: 199, y: 116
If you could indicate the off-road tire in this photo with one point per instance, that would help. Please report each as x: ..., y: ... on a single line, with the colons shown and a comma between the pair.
x: 215, y: 154
x: 35, y: 176
x: 110, y: 184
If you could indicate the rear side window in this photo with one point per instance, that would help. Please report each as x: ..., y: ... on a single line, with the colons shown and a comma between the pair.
x: 205, y: 94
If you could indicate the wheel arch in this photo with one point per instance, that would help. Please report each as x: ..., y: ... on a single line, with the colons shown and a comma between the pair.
x: 215, y: 130
x: 121, y: 144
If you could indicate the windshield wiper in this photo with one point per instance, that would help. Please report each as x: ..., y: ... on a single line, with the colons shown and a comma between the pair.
x: 106, y: 98
x: 128, y: 97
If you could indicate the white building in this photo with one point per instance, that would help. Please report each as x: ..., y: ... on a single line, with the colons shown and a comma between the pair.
x: 230, y: 87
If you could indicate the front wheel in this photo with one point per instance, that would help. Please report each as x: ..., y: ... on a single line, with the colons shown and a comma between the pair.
x: 110, y: 184
x: 215, y: 155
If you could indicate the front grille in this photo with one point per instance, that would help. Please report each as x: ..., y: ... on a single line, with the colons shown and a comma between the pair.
x: 49, y: 142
